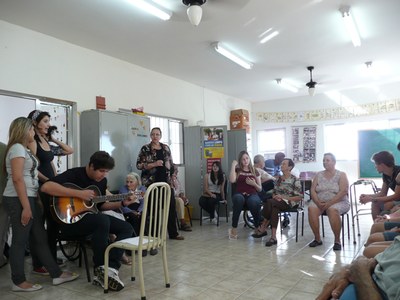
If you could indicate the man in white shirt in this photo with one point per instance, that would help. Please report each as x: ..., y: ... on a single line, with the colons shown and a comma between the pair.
x: 267, y: 180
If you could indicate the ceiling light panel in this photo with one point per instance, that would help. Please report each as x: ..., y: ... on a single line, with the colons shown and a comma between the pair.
x: 269, y: 37
x: 221, y: 49
x: 350, y: 25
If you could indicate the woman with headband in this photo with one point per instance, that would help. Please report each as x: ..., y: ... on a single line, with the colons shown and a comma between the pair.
x: 45, y: 152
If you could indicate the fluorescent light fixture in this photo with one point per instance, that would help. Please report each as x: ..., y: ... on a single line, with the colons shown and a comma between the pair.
x: 233, y: 57
x: 152, y: 8
x: 286, y: 85
x: 268, y: 37
x: 350, y: 25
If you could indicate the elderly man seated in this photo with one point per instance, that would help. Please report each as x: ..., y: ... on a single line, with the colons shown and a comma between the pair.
x: 367, y: 278
x: 267, y: 180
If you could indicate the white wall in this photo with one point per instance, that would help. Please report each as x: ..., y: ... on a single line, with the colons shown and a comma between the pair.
x: 359, y: 96
x: 37, y: 64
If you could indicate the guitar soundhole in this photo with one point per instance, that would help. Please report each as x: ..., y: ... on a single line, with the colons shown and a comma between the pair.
x: 88, y: 203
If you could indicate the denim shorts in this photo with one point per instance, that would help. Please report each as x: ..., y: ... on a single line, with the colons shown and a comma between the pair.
x: 390, y: 235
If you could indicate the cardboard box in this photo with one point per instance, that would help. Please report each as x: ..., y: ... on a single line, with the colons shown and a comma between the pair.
x: 100, y: 102
x: 239, y: 119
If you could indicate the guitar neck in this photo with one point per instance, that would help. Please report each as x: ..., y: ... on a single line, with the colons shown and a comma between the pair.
x: 113, y: 198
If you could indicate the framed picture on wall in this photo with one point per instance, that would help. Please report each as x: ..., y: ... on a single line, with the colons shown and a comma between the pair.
x: 304, y: 143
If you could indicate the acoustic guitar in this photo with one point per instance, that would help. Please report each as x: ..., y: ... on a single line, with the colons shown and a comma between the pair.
x: 69, y: 210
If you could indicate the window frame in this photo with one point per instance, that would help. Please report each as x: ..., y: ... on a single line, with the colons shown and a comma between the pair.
x: 173, y: 139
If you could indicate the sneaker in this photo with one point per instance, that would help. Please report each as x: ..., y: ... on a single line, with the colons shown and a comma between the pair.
x: 41, y: 271
x: 98, y: 282
x: 114, y: 283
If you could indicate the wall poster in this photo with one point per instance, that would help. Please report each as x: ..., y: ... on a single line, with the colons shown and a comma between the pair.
x: 213, y: 142
x: 304, y: 140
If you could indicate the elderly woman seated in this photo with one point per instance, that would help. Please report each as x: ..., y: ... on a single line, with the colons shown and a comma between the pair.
x: 287, y: 193
x: 329, y: 194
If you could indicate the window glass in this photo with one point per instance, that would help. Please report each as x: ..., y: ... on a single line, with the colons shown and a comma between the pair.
x: 346, y: 147
x: 172, y: 135
x: 271, y: 141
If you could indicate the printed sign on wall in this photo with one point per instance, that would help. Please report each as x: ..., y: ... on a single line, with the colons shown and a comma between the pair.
x: 213, y: 142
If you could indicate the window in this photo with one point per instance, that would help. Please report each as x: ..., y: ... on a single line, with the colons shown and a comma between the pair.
x: 271, y: 141
x: 346, y: 147
x: 172, y: 135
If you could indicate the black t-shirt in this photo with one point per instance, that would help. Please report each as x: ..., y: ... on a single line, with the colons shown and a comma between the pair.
x: 79, y: 177
x: 391, y: 180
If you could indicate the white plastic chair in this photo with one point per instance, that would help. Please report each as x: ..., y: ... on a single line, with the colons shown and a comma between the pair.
x: 156, y: 208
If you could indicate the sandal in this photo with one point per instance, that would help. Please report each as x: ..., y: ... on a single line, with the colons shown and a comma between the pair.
x: 337, y: 247
x: 259, y: 234
x: 186, y: 227
x: 231, y: 235
x: 315, y: 243
x: 271, y: 242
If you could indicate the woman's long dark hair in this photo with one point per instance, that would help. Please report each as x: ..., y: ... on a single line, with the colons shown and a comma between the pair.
x: 220, y: 174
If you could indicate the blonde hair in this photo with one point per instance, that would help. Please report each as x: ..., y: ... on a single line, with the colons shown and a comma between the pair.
x: 134, y: 176
x: 251, y: 167
x: 18, y: 133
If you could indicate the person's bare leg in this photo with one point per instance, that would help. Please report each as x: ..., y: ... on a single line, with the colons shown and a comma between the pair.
x: 376, y: 248
x: 375, y: 237
x: 377, y: 227
x: 334, y: 220
x: 313, y: 219
x: 375, y: 209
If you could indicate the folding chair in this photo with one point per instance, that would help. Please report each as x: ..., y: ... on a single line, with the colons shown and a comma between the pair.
x: 298, y: 210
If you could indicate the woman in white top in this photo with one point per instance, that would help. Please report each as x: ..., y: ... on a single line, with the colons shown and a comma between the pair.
x: 214, y: 192
x: 21, y: 203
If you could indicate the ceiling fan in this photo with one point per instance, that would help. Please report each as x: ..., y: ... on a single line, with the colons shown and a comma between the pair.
x: 311, y: 84
x: 195, y: 11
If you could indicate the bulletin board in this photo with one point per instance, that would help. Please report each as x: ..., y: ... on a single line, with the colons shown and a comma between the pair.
x: 304, y: 143
x: 372, y: 141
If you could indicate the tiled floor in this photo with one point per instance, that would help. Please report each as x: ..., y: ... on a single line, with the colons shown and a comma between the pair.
x: 206, y: 265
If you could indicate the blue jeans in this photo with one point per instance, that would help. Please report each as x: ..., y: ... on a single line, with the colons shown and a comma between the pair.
x: 34, y: 232
x: 252, y: 202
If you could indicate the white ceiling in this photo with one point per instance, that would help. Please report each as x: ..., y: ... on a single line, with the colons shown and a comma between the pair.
x: 311, y: 33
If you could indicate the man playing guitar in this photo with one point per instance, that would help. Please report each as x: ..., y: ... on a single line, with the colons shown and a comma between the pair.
x: 99, y: 226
